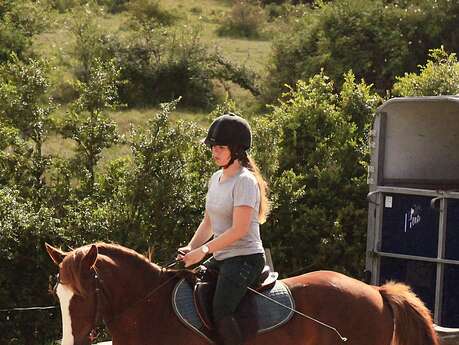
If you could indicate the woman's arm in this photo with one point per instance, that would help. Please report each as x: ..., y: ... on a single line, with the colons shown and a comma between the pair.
x: 242, y: 216
x: 202, y: 234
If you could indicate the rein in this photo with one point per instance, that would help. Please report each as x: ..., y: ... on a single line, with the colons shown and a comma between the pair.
x: 98, y: 318
x: 100, y: 295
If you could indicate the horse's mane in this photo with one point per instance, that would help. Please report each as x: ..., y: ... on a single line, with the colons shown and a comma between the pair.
x: 72, y: 270
x: 116, y: 250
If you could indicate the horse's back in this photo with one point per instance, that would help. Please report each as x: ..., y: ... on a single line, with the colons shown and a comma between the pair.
x: 355, y: 309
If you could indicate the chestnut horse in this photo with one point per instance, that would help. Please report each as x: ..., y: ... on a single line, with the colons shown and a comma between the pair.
x: 132, y: 295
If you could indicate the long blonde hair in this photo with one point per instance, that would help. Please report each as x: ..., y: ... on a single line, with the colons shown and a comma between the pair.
x: 249, y: 163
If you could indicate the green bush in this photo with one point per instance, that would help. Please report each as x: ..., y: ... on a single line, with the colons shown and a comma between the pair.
x: 168, y: 185
x: 245, y: 20
x: 150, y: 12
x: 319, y: 187
x: 161, y: 64
x: 20, y: 20
x: 15, y: 158
x: 158, y: 63
x: 25, y: 268
x: 87, y: 122
x: 377, y: 40
x: 439, y: 76
x: 115, y: 6
x: 91, y: 41
x: 64, y: 5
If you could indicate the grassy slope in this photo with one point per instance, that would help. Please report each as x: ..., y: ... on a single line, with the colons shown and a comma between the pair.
x: 206, y: 14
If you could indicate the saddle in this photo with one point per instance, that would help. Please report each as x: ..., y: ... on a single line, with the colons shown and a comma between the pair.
x: 204, y: 289
x: 269, y: 308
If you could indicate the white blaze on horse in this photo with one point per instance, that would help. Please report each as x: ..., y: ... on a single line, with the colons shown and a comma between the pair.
x: 133, y: 297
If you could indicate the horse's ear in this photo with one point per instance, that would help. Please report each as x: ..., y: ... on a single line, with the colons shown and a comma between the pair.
x: 90, y: 257
x: 55, y: 254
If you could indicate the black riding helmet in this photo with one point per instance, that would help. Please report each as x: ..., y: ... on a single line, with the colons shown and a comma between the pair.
x: 232, y: 131
x: 229, y: 130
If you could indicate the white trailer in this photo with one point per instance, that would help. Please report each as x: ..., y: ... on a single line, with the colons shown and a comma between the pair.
x: 413, y: 219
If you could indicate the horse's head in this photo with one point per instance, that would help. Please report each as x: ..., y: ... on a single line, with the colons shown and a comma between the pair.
x: 76, y: 289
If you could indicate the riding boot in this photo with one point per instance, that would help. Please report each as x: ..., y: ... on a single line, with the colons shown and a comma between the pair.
x: 229, y: 331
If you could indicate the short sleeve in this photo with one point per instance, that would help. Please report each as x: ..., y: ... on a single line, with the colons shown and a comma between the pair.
x: 246, y: 191
x: 214, y: 178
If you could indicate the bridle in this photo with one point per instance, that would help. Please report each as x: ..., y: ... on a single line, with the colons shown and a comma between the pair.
x: 101, y: 301
x: 99, y: 318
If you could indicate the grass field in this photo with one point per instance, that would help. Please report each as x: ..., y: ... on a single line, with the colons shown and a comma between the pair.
x: 56, y: 44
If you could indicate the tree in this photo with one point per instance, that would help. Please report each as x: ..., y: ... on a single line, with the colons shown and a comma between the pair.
x: 87, y: 123
x: 168, y: 184
x: 90, y: 40
x: 25, y: 105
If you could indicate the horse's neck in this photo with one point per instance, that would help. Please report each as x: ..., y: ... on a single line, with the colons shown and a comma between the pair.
x: 128, y: 280
x: 143, y: 301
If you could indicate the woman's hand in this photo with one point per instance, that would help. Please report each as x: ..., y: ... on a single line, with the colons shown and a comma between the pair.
x: 182, y: 251
x: 193, y: 257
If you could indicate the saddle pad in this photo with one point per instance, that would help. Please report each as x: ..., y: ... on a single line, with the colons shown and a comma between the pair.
x: 269, y: 314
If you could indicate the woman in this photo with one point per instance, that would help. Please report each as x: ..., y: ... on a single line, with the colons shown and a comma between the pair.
x: 236, y: 204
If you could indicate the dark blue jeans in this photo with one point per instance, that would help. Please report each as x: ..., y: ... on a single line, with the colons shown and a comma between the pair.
x: 234, y: 276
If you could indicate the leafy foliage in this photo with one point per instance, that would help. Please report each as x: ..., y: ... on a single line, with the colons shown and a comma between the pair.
x: 319, y: 188
x: 87, y: 123
x: 168, y: 183
x: 20, y: 20
x: 245, y: 20
x: 161, y: 64
x: 25, y: 226
x: 150, y: 12
x: 25, y: 106
x: 375, y: 39
x: 440, y: 76
x: 90, y: 40
x: 158, y: 62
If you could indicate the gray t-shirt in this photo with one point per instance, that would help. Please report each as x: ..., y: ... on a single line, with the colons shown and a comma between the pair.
x: 239, y: 190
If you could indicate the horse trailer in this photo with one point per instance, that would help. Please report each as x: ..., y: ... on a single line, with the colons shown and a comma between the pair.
x: 413, y: 218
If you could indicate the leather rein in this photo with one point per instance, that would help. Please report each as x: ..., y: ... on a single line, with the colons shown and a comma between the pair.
x: 101, y: 300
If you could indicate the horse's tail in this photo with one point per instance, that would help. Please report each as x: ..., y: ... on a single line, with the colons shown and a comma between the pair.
x: 412, y: 320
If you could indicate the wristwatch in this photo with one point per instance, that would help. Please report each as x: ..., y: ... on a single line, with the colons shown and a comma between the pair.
x: 205, y: 249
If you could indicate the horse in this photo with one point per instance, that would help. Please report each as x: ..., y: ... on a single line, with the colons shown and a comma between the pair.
x: 132, y: 295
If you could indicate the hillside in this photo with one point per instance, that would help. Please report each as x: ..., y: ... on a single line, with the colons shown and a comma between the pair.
x: 58, y: 43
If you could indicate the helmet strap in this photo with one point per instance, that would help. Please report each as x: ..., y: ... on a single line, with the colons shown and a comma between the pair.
x: 235, y: 154
x: 231, y: 161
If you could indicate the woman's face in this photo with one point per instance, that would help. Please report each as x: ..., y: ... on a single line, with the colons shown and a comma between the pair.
x: 221, y: 155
